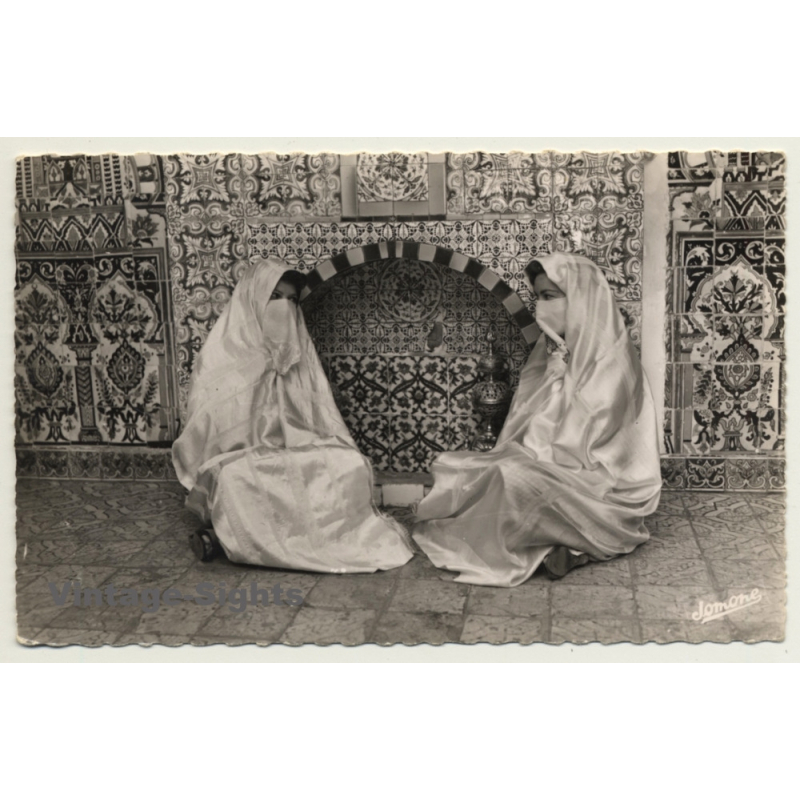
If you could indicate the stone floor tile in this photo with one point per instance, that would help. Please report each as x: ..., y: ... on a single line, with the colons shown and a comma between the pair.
x: 183, y: 618
x: 109, y: 552
x: 422, y: 596
x: 671, y: 602
x: 218, y: 576
x: 766, y: 631
x: 746, y: 545
x: 731, y: 504
x: 59, y: 574
x: 773, y: 522
x: 77, y: 636
x: 767, y: 503
x: 162, y: 554
x: 672, y: 502
x: 98, y: 617
x: 668, y: 546
x: 582, y: 631
x: 681, y: 630
x: 745, y: 572
x: 47, y: 552
x: 34, y: 619
x: 667, y: 523
x: 420, y: 567
x: 616, y: 572
x: 302, y: 582
x: 592, y: 601
x: 135, y: 534
x: 519, y: 601
x: 395, y: 627
x: 672, y: 572
x: 146, y: 577
x: 738, y: 524
x: 324, y: 626
x: 500, y: 630
x: 256, y: 623
x: 28, y: 574
x: 349, y: 591
x: 778, y: 541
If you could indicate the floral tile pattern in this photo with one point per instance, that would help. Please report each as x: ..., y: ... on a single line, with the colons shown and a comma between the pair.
x: 392, y: 176
x: 94, y: 325
x: 479, y: 183
x: 298, y: 184
x: 726, y: 310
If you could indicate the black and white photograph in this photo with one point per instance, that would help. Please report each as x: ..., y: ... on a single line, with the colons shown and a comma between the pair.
x: 314, y: 398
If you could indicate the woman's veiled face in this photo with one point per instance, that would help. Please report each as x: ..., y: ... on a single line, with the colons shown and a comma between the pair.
x: 284, y: 291
x: 545, y: 289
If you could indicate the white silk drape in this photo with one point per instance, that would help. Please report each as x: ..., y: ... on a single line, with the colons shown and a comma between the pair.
x: 577, y: 461
x: 265, y: 454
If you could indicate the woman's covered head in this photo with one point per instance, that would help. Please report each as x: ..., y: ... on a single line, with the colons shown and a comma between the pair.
x: 543, y: 287
x: 289, y: 286
x: 551, y: 304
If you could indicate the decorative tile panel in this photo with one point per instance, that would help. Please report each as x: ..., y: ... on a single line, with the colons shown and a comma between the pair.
x: 70, y: 182
x: 106, y: 326
x: 481, y: 183
x: 392, y: 176
x: 521, y: 187
x: 94, y: 326
x: 725, y: 311
x: 273, y: 185
x: 729, y: 474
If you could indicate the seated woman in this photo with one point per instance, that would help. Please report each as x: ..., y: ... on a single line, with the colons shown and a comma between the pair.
x: 265, y: 454
x: 576, y: 467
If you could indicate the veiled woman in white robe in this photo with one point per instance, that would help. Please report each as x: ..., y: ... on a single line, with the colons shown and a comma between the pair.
x: 577, y: 463
x: 265, y: 454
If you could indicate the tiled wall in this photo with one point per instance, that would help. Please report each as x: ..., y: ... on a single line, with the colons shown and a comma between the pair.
x: 500, y: 210
x: 400, y: 340
x: 125, y: 263
x: 94, y: 330
x: 725, y: 395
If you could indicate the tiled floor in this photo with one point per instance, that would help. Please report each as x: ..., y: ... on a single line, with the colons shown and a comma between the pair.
x: 704, y: 547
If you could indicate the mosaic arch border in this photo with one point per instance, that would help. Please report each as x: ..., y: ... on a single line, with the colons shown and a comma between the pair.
x: 444, y: 256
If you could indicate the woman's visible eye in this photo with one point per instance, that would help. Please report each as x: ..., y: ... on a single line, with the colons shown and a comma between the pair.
x: 274, y: 296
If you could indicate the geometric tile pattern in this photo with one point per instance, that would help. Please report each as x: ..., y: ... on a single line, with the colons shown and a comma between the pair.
x: 218, y: 223
x: 588, y: 203
x: 504, y: 246
x: 404, y: 409
x: 400, y: 305
x: 726, y: 300
x: 125, y: 262
x: 210, y: 199
x: 704, y: 548
x: 94, y: 325
x: 400, y: 341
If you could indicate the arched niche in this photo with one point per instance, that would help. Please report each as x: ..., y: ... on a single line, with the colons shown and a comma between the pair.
x: 399, y: 327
